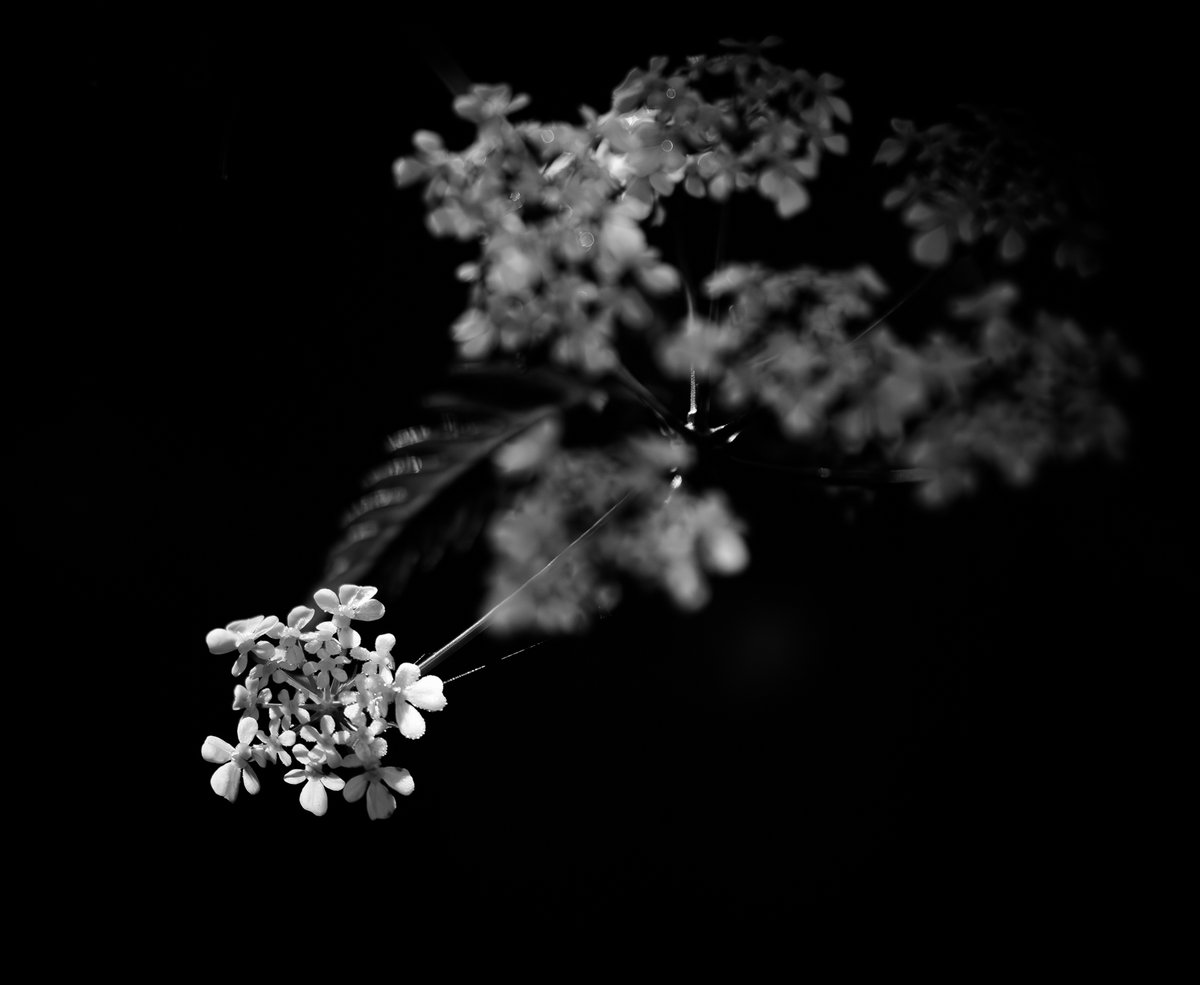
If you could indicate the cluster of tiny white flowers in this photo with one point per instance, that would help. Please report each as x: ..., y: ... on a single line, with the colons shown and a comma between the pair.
x: 328, y: 707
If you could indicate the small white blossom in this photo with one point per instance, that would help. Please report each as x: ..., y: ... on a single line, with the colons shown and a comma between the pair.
x: 351, y: 602
x: 289, y: 653
x: 379, y: 658
x: 313, y: 797
x: 242, y: 635
x: 325, y: 742
x: 273, y: 745
x: 288, y: 708
x: 235, y: 769
x: 372, y: 781
x: 412, y: 692
x: 328, y: 651
x: 248, y: 700
x: 364, y: 739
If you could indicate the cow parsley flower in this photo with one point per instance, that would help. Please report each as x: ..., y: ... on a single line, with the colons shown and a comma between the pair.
x: 380, y: 657
x: 289, y: 651
x: 248, y: 699
x: 351, y: 602
x: 412, y: 692
x: 364, y: 739
x: 287, y: 708
x: 242, y: 635
x: 327, y: 649
x: 325, y: 742
x: 374, y: 781
x: 273, y: 745
x: 313, y: 797
x: 235, y: 768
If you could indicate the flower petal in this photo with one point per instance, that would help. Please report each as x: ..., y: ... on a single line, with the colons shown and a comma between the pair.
x: 331, y: 781
x: 313, y: 797
x: 355, y: 787
x: 246, y: 729
x: 250, y: 779
x: 216, y: 750
x: 239, y: 627
x: 301, y: 616
x: 412, y: 725
x: 221, y: 641
x: 325, y: 598
x: 295, y: 776
x: 399, y: 780
x: 358, y: 594
x: 369, y: 611
x: 406, y: 675
x: 380, y: 803
x: 225, y: 781
x: 265, y: 625
x: 426, y: 694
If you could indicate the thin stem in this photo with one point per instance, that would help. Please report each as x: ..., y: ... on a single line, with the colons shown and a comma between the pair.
x: 843, y: 477
x: 301, y: 687
x: 692, y: 407
x: 643, y: 393
x: 435, y: 658
x: 466, y: 673
x: 923, y: 282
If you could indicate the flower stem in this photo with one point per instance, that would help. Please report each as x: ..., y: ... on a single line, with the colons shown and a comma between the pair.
x: 435, y: 658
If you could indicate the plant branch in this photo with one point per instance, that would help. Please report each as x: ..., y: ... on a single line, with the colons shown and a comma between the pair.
x: 922, y: 283
x: 842, y: 477
x: 643, y: 393
x: 435, y: 658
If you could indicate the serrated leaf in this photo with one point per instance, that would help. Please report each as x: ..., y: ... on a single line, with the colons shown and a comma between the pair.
x: 434, y: 491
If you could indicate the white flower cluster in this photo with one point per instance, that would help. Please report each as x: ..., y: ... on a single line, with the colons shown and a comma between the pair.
x: 328, y: 707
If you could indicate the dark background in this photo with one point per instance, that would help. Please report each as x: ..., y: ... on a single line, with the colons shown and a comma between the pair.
x: 919, y: 713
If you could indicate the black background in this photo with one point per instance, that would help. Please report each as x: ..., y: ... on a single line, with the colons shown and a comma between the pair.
x: 916, y: 713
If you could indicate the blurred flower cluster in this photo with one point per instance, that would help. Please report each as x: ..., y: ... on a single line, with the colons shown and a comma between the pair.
x: 798, y: 344
x: 988, y: 176
x: 326, y: 707
x: 1033, y: 392
x: 558, y: 208
x: 669, y: 536
x: 567, y: 283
